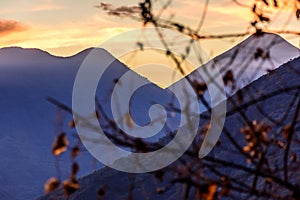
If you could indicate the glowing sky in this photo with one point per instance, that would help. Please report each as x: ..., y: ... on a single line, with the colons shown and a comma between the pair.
x: 69, y: 26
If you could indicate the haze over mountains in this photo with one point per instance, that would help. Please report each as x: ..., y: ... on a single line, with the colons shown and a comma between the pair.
x: 28, y: 76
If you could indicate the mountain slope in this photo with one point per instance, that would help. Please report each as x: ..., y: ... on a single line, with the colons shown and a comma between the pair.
x: 275, y: 107
x: 254, y: 57
x: 27, y: 120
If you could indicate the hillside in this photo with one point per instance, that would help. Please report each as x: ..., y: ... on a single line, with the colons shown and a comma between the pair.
x: 28, y: 122
x: 285, y: 77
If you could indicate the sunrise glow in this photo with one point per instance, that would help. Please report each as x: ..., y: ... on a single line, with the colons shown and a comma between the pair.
x: 66, y: 27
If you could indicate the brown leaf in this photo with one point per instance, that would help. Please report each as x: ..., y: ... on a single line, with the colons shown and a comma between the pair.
x: 140, y: 45
x: 205, y: 129
x: 160, y: 190
x: 266, y: 2
x: 97, y: 115
x: 51, y: 184
x: 280, y: 144
x: 72, y: 124
x: 129, y: 121
x: 259, y: 53
x: 101, y: 192
x: 200, y: 88
x: 75, y: 168
x: 168, y: 52
x: 240, y: 96
x: 228, y: 77
x: 179, y: 27
x: 286, y: 131
x: 159, y: 175
x: 269, y: 180
x: 60, y: 145
x: 225, y: 191
x: 263, y: 18
x: 208, y: 192
x: 75, y: 152
x: 254, y: 23
x: 294, y: 158
x: 70, y: 187
x: 246, y: 148
x: 211, y: 192
x: 298, y: 13
x: 254, y: 8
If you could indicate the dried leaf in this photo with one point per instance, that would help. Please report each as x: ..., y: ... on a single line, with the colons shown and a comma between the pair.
x: 187, y: 50
x: 101, y: 192
x: 228, y: 77
x: 140, y: 145
x: 205, y: 129
x: 160, y: 190
x: 200, y: 88
x: 97, y: 115
x: 140, y: 45
x: 254, y: 23
x: 179, y: 27
x: 294, y: 158
x: 51, y: 184
x: 208, y: 192
x: 211, y: 192
x: 129, y: 121
x: 298, y: 13
x: 280, y: 144
x: 75, y: 152
x: 269, y: 180
x: 254, y: 8
x: 60, y: 145
x: 70, y: 187
x: 259, y: 53
x: 263, y: 18
x: 266, y: 2
x: 75, y: 168
x: 168, y: 52
x: 116, y: 80
x: 286, y: 131
x: 72, y: 124
x: 240, y: 96
x: 246, y: 148
x: 225, y: 190
x: 159, y: 175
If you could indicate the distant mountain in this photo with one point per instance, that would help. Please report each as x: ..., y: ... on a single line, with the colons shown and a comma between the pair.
x: 117, y: 185
x: 27, y: 120
x: 254, y: 57
x: 28, y: 127
x: 275, y: 107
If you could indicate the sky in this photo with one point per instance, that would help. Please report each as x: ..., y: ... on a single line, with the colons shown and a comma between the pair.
x: 66, y: 27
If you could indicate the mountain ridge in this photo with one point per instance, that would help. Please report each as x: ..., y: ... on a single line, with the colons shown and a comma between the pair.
x: 91, y: 48
x: 109, y: 177
x: 248, y: 46
x: 27, y: 120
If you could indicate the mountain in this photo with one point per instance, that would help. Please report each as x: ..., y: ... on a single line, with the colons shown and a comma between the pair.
x: 28, y: 126
x: 116, y: 186
x: 28, y: 121
x: 254, y: 57
x: 275, y: 107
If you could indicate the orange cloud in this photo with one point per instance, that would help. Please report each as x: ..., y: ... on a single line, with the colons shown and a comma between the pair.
x: 46, y: 7
x: 11, y: 26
